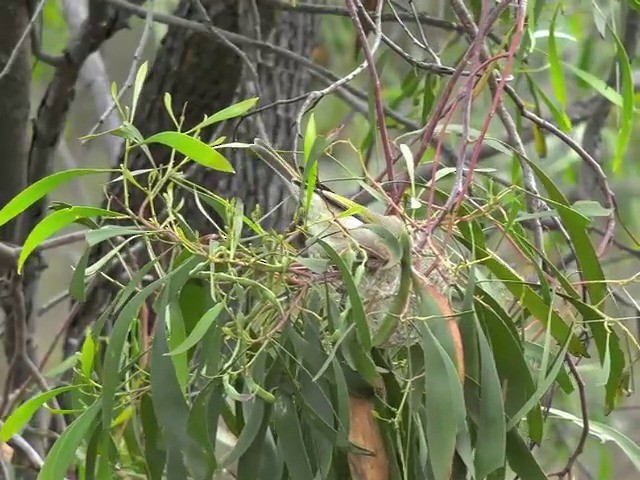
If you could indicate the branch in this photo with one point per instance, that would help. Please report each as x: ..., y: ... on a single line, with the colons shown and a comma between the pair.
x: 566, y: 471
x: 326, y: 75
x: 423, y: 18
x: 592, y: 137
x: 375, y: 80
x: 94, y: 74
x: 52, y: 113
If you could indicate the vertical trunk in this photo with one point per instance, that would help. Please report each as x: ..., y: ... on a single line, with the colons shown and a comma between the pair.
x: 15, y: 84
x: 204, y: 75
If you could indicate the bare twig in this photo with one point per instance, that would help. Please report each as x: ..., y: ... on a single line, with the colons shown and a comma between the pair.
x: 18, y: 442
x: 95, y: 76
x: 133, y: 69
x: 25, y: 34
x: 423, y: 18
x: 566, y: 471
x: 375, y: 80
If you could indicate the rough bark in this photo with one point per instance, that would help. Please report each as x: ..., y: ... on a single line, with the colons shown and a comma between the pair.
x: 14, y: 105
x: 15, y: 85
x: 28, y: 165
x: 204, y: 75
x: 207, y: 75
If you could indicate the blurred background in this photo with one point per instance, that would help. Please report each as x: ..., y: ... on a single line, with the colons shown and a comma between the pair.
x: 579, y: 43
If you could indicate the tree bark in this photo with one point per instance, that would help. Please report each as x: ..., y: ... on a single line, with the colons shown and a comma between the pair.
x: 204, y: 75
x: 15, y: 88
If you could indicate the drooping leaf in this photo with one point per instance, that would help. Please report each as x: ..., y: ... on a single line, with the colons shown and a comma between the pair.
x: 628, y: 101
x: 63, y: 452
x: 232, y: 111
x: 290, y: 441
x: 21, y: 415
x: 521, y: 460
x: 492, y: 429
x: 119, y: 333
x: 199, y: 331
x: 193, y: 148
x: 170, y: 405
x: 39, y: 189
x: 57, y: 221
x: 604, y: 433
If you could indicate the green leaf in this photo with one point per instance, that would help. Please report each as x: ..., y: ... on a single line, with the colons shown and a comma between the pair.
x: 232, y: 111
x: 492, y: 429
x: 64, y: 449
x: 590, y: 209
x: 177, y: 335
x: 291, y: 443
x: 530, y: 299
x: 310, y: 137
x: 541, y: 389
x: 193, y: 148
x: 109, y: 231
x: 119, y: 335
x: 597, y: 84
x: 509, y: 359
x: 55, y: 222
x: 38, y: 190
x: 167, y: 99
x: 77, y: 286
x: 594, y: 278
x: 258, y: 413
x: 87, y: 356
x: 141, y: 75
x: 444, y: 403
x: 154, y: 454
x: 359, y: 316
x: 261, y: 449
x: 521, y: 460
x: 21, y: 415
x: 559, y: 116
x: 604, y: 433
x: 169, y: 403
x: 203, y: 419
x: 314, y: 146
x: 199, y: 331
x: 626, y: 122
x: 557, y: 75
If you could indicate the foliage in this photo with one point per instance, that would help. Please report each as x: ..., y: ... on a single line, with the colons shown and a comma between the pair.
x: 255, y: 339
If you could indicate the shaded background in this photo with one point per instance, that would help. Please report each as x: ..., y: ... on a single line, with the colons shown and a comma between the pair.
x: 602, y: 460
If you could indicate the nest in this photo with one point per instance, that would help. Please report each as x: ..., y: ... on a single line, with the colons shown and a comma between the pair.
x: 381, y: 286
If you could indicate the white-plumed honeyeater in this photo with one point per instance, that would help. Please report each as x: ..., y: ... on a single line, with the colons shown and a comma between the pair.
x: 335, y: 219
x: 397, y: 297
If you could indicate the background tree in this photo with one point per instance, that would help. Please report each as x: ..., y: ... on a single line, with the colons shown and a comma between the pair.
x: 217, y: 52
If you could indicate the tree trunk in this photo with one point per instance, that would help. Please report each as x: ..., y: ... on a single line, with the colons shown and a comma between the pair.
x: 15, y: 88
x: 204, y: 75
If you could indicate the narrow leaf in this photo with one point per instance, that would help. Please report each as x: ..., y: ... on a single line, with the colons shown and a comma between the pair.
x: 199, y: 331
x: 63, y: 452
x: 56, y: 221
x: 193, y: 148
x: 38, y: 190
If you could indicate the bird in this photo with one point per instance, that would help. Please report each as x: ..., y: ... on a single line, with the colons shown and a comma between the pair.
x: 338, y: 221
x: 395, y: 291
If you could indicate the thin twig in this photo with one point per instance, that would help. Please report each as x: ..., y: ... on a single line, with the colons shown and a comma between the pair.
x: 133, y: 69
x: 566, y: 471
x: 25, y: 34
x: 18, y: 442
x: 375, y: 80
